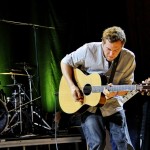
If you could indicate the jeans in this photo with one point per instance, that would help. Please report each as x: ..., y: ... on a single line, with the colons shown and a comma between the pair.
x: 94, y: 129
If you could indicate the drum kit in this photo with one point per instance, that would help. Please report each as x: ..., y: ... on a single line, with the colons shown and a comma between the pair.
x: 17, y: 112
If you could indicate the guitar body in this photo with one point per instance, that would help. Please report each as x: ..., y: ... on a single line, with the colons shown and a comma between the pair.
x: 66, y: 101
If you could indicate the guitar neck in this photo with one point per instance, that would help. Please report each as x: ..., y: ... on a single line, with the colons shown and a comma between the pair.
x: 114, y: 88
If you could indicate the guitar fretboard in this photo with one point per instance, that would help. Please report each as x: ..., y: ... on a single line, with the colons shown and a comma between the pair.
x: 114, y: 88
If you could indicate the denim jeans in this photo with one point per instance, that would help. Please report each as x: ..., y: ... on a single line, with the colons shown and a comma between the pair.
x: 94, y: 129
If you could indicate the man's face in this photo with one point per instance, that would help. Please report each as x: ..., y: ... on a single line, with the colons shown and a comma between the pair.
x: 111, y: 50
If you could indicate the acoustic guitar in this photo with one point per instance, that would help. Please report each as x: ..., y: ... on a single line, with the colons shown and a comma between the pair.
x: 92, y: 88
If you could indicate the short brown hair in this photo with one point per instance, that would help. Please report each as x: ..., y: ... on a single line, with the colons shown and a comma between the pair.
x: 113, y: 34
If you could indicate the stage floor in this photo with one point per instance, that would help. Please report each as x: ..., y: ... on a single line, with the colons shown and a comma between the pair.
x: 36, y: 140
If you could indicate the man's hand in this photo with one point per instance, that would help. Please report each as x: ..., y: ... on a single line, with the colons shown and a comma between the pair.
x: 76, y: 93
x: 109, y: 94
x: 146, y: 81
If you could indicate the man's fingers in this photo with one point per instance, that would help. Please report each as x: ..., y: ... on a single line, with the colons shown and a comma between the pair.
x: 105, y: 91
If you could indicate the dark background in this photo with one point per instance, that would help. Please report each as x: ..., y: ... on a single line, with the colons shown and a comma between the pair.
x: 78, y: 22
x: 27, y: 35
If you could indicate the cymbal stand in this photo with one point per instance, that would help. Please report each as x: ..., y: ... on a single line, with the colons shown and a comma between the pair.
x: 20, y: 103
x: 20, y: 108
x: 46, y: 126
x: 18, y: 112
x: 15, y: 93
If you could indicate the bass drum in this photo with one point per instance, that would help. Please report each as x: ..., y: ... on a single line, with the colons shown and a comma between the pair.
x: 3, y: 116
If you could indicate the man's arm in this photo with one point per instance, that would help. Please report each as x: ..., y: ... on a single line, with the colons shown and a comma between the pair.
x: 67, y: 72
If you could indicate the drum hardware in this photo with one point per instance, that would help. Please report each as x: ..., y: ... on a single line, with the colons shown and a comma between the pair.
x: 15, y: 70
x: 24, y: 104
x: 10, y: 116
x: 22, y: 65
x: 13, y: 73
x: 44, y: 125
x: 16, y: 112
x: 16, y: 103
x: 15, y: 94
x: 17, y: 109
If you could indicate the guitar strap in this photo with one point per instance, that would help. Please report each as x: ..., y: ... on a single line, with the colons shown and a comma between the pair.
x: 115, y: 63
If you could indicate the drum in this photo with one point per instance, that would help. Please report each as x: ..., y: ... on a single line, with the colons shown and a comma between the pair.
x: 3, y: 116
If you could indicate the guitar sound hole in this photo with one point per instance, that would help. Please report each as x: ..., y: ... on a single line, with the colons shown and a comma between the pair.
x: 87, y: 89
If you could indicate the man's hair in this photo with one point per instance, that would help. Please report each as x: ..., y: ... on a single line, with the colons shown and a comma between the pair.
x: 113, y: 34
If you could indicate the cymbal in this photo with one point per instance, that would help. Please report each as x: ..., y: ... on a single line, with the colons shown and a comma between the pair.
x: 22, y: 65
x: 14, y: 70
x: 11, y: 85
x: 13, y: 73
